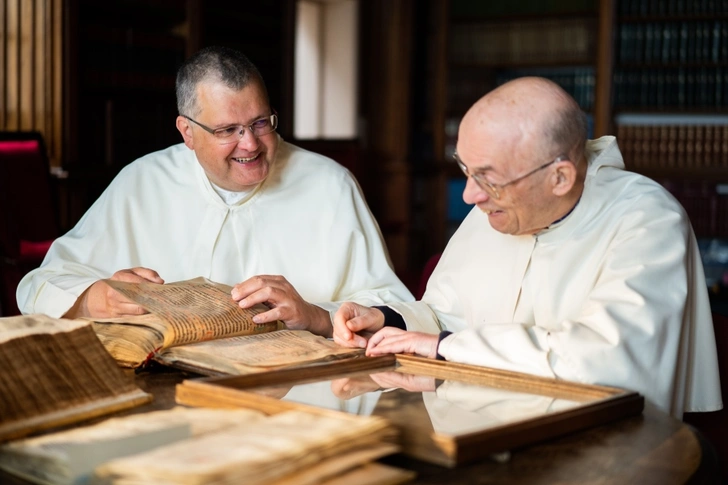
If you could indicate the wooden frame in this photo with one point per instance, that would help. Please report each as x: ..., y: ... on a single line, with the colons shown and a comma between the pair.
x: 588, y: 405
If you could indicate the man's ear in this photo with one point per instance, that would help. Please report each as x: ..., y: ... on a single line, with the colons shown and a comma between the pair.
x: 185, y: 129
x: 564, y: 177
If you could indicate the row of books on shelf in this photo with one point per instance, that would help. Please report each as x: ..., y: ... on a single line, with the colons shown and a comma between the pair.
x: 672, y: 7
x: 464, y: 9
x: 667, y: 147
x: 466, y: 87
x: 670, y: 42
x: 706, y: 205
x: 542, y: 41
x: 674, y: 87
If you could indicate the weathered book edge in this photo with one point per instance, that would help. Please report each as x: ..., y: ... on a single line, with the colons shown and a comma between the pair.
x: 80, y: 412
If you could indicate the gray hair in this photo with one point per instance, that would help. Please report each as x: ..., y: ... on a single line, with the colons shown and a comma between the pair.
x: 569, y: 131
x: 213, y: 64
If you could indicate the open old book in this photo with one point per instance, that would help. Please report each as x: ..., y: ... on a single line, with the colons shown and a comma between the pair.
x: 195, y: 325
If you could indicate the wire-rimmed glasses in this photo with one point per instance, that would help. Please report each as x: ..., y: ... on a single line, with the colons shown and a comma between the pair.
x: 233, y: 133
x: 493, y: 189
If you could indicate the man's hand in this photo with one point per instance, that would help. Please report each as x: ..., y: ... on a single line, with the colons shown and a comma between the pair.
x: 284, y: 302
x: 408, y: 382
x: 392, y: 340
x: 101, y: 301
x: 354, y: 324
x: 350, y: 387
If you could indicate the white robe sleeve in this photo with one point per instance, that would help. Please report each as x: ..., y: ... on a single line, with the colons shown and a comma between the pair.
x: 357, y: 255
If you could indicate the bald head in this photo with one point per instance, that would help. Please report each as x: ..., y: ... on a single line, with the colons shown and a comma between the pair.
x: 529, y: 115
x: 523, y: 142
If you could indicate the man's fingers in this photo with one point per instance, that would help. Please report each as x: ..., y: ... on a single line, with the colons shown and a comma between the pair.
x: 377, y: 338
x: 257, y: 283
x: 270, y: 316
x: 130, y: 309
x: 148, y: 274
x: 351, y: 340
x: 342, y: 315
x: 137, y: 275
x: 119, y: 305
x: 270, y: 296
x: 389, y: 340
x: 260, y: 296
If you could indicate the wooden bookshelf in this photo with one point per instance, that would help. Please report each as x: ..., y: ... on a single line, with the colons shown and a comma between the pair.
x: 670, y: 106
x: 468, y: 49
x: 663, y: 63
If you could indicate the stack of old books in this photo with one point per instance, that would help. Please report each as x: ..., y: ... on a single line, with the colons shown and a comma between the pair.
x: 220, y: 446
x: 57, y: 373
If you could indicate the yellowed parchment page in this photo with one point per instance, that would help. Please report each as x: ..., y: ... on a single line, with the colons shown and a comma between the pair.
x: 257, y: 353
x: 194, y: 310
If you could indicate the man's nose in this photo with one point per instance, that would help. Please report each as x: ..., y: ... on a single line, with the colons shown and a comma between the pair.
x: 474, y: 193
x: 248, y: 141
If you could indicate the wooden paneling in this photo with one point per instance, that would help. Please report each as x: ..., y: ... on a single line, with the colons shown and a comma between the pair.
x: 387, y: 67
x: 30, y: 78
x: 605, y: 61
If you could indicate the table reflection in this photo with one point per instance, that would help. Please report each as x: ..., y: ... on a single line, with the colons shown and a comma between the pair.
x: 448, y: 406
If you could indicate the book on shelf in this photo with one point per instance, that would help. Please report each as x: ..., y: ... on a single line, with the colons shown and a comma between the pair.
x: 196, y: 325
x: 679, y: 145
x: 669, y: 152
x: 56, y: 372
x: 193, y: 445
x: 530, y: 41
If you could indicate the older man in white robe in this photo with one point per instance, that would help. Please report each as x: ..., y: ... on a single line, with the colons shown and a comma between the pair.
x: 569, y: 266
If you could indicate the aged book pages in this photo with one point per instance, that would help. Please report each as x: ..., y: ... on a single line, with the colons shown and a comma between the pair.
x: 347, y: 468
x: 184, y: 312
x: 55, y: 372
x: 256, y: 353
x: 261, y: 452
x: 196, y: 325
x: 70, y: 456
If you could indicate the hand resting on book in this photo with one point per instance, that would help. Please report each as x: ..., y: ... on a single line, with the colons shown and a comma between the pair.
x: 284, y: 302
x: 102, y: 301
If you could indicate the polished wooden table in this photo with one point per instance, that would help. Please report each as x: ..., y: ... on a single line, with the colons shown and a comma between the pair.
x: 652, y: 448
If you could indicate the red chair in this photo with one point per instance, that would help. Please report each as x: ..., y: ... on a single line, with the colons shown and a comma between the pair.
x: 28, y: 216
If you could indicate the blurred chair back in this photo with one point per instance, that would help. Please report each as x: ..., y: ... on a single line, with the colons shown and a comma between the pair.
x: 28, y: 214
x: 425, y: 275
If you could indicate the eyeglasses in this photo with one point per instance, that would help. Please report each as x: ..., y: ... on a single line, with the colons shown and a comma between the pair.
x: 233, y: 133
x: 493, y: 189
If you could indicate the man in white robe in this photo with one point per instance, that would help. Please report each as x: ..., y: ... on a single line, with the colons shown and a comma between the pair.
x: 235, y: 204
x: 569, y: 266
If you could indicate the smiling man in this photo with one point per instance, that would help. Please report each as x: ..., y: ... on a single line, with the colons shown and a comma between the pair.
x: 569, y: 266
x: 235, y: 204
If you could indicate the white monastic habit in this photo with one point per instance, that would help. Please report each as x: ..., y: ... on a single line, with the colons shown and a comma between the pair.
x: 614, y: 294
x: 307, y: 221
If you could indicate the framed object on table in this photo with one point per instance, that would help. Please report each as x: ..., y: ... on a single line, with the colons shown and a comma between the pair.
x: 446, y: 413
